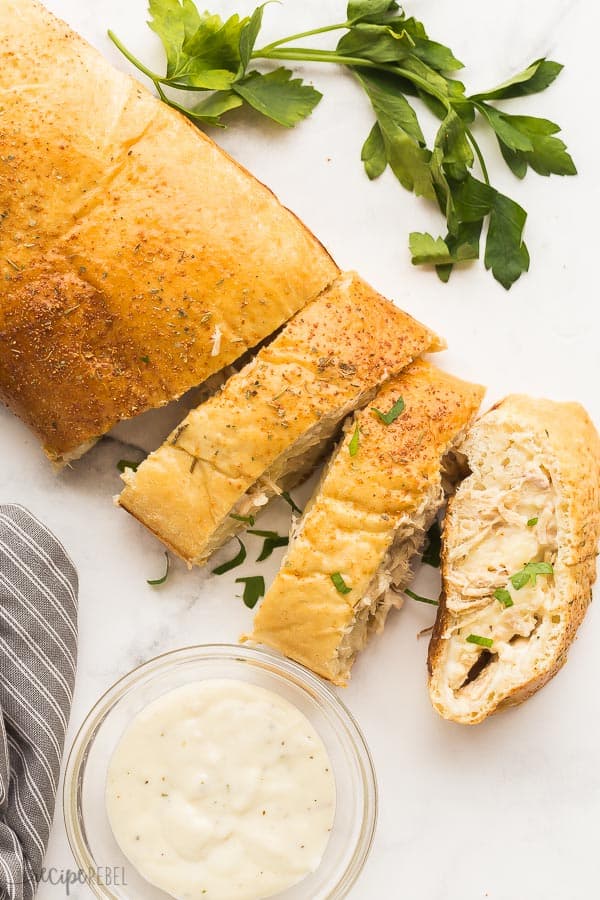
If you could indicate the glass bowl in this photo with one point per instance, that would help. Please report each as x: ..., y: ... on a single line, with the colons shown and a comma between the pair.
x: 108, y: 872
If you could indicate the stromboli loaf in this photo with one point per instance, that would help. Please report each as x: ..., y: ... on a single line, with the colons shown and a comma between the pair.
x: 533, y: 496
x: 273, y: 420
x: 136, y: 257
x: 367, y: 522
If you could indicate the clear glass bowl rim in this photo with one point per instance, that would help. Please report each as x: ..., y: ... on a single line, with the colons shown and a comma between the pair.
x: 289, y: 670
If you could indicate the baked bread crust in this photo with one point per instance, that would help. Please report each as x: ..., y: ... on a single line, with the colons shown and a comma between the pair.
x: 136, y: 257
x: 329, y: 359
x: 363, y: 503
x: 567, y: 447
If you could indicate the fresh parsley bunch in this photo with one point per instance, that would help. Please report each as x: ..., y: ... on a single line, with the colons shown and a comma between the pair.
x: 393, y: 59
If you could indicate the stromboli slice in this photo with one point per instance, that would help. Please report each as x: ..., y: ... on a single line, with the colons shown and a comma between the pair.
x: 519, y: 556
x: 136, y: 257
x: 273, y: 420
x: 366, y: 524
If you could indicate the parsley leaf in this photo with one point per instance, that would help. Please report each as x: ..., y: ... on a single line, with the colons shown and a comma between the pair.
x: 278, y: 96
x: 213, y: 53
x: 503, y: 597
x: 420, y: 599
x: 248, y: 36
x: 271, y: 542
x: 549, y: 154
x: 390, y: 416
x: 482, y: 641
x: 370, y: 10
x: 505, y: 253
x: 529, y: 574
x: 511, y: 136
x: 237, y: 560
x: 431, y: 556
x: 354, y: 441
x: 529, y: 141
x: 339, y: 583
x: 254, y: 589
x: 426, y: 249
x: 399, y: 136
x: 210, y: 110
x: 450, y: 161
x: 156, y: 581
x: 532, y: 522
x: 462, y: 246
x: 536, y: 77
x: 377, y: 43
x: 374, y: 153
x: 436, y: 55
x: 168, y: 23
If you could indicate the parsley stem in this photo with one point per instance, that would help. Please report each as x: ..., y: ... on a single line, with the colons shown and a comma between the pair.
x: 478, y: 154
x: 305, y: 54
x: 132, y: 59
x: 302, y: 34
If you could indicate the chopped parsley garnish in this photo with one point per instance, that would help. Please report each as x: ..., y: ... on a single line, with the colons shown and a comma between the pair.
x: 391, y: 416
x: 128, y: 464
x: 156, y: 581
x: 482, y: 641
x: 431, y: 556
x: 529, y: 574
x: 285, y: 495
x: 532, y: 522
x: 237, y: 560
x: 340, y: 585
x: 272, y: 541
x: 503, y: 597
x: 420, y: 599
x: 145, y: 359
x: 247, y: 520
x: 254, y: 589
x: 353, y: 445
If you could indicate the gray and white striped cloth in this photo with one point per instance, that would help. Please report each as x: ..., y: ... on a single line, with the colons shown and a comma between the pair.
x: 38, y: 647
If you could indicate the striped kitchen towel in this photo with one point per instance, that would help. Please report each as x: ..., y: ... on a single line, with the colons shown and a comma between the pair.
x: 38, y: 647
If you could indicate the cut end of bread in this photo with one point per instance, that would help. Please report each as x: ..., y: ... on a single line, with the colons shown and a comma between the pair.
x: 366, y: 524
x: 61, y: 460
x: 514, y: 594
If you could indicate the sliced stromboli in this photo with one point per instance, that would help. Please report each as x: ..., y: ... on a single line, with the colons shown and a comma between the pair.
x: 366, y: 522
x: 519, y: 556
x: 136, y: 257
x: 273, y: 420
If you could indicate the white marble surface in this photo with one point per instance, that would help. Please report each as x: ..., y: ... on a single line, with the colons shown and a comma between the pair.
x: 508, y: 810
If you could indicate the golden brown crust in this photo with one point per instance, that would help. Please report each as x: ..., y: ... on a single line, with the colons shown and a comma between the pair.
x: 328, y: 359
x: 127, y: 237
x: 357, y: 510
x: 570, y: 447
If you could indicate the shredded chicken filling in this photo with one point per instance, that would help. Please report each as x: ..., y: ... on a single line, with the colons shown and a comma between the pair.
x: 394, y: 574
x: 505, y: 517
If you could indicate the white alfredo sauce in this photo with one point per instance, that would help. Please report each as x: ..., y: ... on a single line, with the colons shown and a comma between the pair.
x: 221, y: 790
